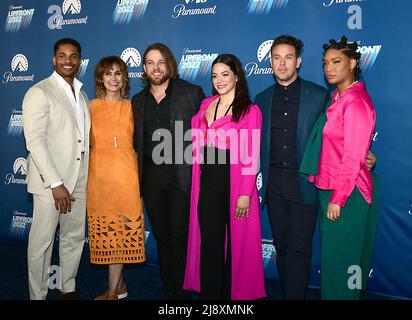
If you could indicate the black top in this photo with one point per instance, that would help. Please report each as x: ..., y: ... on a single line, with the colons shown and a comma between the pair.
x: 283, y: 133
x: 156, y: 116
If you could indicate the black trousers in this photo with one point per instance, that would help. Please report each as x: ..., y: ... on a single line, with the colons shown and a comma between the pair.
x: 168, y: 210
x: 293, y: 223
x: 214, y: 222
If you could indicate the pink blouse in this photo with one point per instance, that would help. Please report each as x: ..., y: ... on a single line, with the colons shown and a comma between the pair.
x: 346, y: 140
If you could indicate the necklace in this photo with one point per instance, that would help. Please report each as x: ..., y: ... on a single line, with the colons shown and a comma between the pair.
x: 114, y: 128
x: 338, y: 94
x: 209, y: 144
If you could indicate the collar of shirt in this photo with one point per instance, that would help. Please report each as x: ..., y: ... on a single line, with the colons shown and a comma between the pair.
x: 77, y: 85
x: 292, y: 87
x: 168, y: 89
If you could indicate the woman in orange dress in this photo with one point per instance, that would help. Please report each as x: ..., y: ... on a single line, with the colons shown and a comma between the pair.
x: 115, y: 213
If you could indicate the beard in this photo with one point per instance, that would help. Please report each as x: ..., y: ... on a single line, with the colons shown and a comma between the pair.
x: 158, y: 81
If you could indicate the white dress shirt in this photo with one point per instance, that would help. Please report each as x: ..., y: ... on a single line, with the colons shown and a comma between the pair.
x: 78, y: 105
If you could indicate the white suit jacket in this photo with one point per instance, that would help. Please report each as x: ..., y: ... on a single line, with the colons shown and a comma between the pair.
x: 53, y: 138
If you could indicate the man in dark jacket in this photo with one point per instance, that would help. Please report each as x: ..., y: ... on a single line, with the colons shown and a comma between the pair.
x: 162, y: 112
x: 290, y: 108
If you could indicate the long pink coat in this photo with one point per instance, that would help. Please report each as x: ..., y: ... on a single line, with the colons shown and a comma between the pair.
x: 246, y: 245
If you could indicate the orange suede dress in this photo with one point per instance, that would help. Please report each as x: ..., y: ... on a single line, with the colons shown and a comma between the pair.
x: 114, y: 209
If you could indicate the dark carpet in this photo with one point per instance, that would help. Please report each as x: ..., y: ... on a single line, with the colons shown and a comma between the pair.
x: 143, y: 281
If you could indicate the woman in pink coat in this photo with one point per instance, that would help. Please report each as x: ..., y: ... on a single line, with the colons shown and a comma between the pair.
x: 224, y: 256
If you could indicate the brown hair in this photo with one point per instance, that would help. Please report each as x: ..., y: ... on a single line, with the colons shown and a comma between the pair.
x: 167, y: 55
x: 104, y: 65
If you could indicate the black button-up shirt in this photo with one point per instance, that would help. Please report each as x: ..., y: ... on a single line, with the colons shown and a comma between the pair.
x: 283, y: 142
x: 156, y: 116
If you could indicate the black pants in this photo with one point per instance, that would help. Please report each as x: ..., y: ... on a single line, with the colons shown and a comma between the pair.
x: 214, y: 221
x: 168, y: 210
x: 293, y: 223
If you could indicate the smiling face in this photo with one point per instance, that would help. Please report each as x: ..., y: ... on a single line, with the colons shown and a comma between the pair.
x: 285, y: 63
x: 223, y: 79
x: 338, y: 68
x: 156, y: 68
x: 113, y: 79
x: 67, y: 61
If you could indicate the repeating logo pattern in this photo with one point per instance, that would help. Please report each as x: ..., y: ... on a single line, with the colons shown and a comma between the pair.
x: 193, y: 8
x: 82, y: 68
x: 369, y: 54
x: 265, y: 6
x: 262, y: 66
x: 195, y: 63
x: 20, y: 224
x: 269, y: 253
x: 131, y: 56
x: 127, y: 11
x: 18, y: 19
x: 19, y: 64
x: 15, y: 127
x: 70, y: 8
x: 19, y: 174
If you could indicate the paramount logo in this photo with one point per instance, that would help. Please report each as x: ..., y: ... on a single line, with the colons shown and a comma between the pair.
x: 131, y: 56
x: 263, y: 56
x: 20, y: 173
x: 181, y: 10
x: 19, y: 64
x: 69, y: 7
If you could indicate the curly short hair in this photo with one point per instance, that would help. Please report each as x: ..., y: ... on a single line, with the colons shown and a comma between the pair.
x: 350, y: 49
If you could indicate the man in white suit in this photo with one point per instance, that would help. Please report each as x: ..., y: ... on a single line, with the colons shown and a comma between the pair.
x: 56, y: 119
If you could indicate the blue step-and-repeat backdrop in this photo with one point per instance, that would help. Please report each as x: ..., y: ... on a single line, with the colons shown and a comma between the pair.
x: 197, y: 31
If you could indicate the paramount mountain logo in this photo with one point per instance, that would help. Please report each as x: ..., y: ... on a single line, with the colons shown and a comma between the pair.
x: 131, y: 56
x: 195, y: 63
x: 192, y: 8
x: 69, y: 7
x: 19, y: 64
x: 263, y: 57
x: 15, y: 127
x: 265, y: 6
x: 18, y: 19
x: 127, y: 11
x: 19, y: 174
x: 72, y: 6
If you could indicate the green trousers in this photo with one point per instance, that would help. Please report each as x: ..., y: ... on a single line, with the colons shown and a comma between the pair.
x: 347, y: 245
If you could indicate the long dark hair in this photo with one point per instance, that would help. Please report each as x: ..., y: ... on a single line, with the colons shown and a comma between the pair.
x: 241, y: 102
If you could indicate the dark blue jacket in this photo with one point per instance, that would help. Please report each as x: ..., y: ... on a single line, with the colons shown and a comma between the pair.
x: 312, y: 101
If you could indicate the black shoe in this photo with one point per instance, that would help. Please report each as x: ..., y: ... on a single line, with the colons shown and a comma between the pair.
x: 74, y: 295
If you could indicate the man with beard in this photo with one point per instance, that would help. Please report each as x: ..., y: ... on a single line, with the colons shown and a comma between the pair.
x: 163, y: 109
x: 56, y: 120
